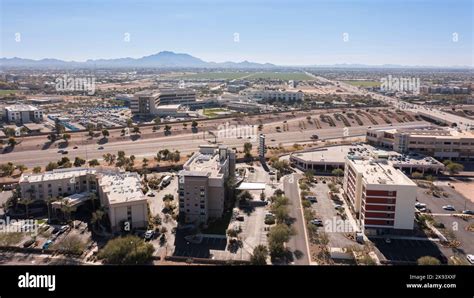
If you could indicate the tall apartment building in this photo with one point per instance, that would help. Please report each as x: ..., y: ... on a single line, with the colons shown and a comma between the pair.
x: 443, y: 143
x: 202, y: 183
x: 146, y: 102
x: 119, y: 192
x: 21, y: 113
x: 382, y: 197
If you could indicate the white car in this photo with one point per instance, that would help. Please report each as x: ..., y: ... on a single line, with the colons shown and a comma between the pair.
x: 470, y: 258
x: 317, y: 222
x: 449, y: 208
x: 419, y: 205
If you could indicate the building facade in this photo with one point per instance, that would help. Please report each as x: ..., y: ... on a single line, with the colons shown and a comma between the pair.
x: 446, y: 143
x: 382, y: 197
x: 202, y: 183
x: 23, y: 114
x: 119, y: 192
x: 146, y: 103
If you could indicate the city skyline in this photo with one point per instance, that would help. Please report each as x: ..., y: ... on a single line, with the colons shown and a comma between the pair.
x: 285, y: 33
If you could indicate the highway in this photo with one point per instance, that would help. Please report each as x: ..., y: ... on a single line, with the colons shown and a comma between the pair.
x: 185, y: 143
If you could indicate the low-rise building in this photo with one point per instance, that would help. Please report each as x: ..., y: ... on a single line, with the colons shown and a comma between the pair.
x: 278, y: 95
x: 382, y: 197
x: 442, y: 143
x: 21, y: 113
x: 202, y: 183
x: 119, y: 192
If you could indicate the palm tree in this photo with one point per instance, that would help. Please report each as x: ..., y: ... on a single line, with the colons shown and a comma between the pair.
x: 26, y: 202
x: 48, y: 203
x: 97, y: 217
x: 67, y: 209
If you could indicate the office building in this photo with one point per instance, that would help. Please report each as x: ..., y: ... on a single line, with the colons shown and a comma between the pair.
x: 202, y: 183
x: 146, y: 103
x: 441, y: 143
x: 382, y: 197
x: 277, y: 95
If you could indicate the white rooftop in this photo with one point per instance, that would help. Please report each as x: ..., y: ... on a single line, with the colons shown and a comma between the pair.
x: 377, y: 172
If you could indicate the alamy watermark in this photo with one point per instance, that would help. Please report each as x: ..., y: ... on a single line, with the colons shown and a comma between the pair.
x: 85, y: 84
x: 227, y: 131
x: 19, y: 226
x: 394, y: 84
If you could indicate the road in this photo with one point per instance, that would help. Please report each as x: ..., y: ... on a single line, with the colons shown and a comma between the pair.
x: 185, y: 143
x: 298, y: 242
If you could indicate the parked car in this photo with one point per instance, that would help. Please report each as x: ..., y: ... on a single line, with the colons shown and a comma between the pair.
x: 470, y: 212
x: 151, y: 194
x: 419, y: 205
x: 47, y: 244
x: 317, y: 222
x: 312, y: 199
x: 28, y: 243
x: 65, y: 152
x: 100, y: 148
x: 470, y: 258
x: 337, y: 206
x: 449, y: 208
x: 149, y: 235
x: 75, y: 147
x: 55, y: 231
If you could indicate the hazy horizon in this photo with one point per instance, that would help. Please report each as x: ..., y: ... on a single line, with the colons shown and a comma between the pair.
x: 284, y: 33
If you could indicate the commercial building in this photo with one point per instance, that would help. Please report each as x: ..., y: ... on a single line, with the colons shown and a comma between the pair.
x: 382, y: 197
x: 146, y: 102
x: 119, y: 192
x: 442, y: 143
x: 278, y: 95
x: 21, y: 113
x: 202, y: 183
x: 326, y: 159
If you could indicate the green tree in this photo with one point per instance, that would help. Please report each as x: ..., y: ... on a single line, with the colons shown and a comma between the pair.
x: 136, y: 129
x: 277, y: 237
x: 259, y: 255
x: 454, y: 167
x: 167, y: 129
x: 79, y: 162
x: 127, y: 250
x: 51, y: 166
x: 129, y: 123
x: 22, y: 168
x: 94, y: 162
x: 105, y: 133
x: 7, y: 169
x: 338, y: 172
x: 194, y: 124
x: 309, y: 175
x: 248, y: 149
x: 66, y: 137
x: 416, y: 175
x: 37, y: 170
x: 12, y: 142
x: 427, y: 260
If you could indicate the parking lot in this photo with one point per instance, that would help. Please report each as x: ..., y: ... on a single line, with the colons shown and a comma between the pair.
x: 325, y: 210
x: 403, y: 250
x: 453, y: 225
x: 184, y: 248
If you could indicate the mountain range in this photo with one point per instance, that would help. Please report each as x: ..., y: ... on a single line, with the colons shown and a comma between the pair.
x: 167, y: 59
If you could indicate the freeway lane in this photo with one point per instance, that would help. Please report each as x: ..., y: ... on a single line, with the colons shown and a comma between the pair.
x: 186, y: 144
x: 298, y: 242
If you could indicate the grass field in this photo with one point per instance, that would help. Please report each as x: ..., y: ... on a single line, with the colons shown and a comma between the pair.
x: 299, y: 76
x: 213, y: 112
x: 6, y: 92
x: 363, y: 83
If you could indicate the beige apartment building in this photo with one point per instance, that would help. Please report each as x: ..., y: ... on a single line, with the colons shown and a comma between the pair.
x: 442, y: 143
x: 202, y: 183
x: 382, y: 197
x: 119, y: 192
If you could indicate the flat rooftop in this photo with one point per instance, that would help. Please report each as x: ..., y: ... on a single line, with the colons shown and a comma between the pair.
x: 121, y: 187
x: 375, y: 172
x: 336, y: 155
x: 21, y: 108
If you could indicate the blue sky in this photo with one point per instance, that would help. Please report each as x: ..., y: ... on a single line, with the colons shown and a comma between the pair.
x: 284, y: 32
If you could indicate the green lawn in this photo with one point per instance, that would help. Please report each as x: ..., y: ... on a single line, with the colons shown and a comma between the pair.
x: 213, y: 112
x: 299, y: 76
x: 6, y: 92
x: 363, y: 83
x: 286, y: 76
